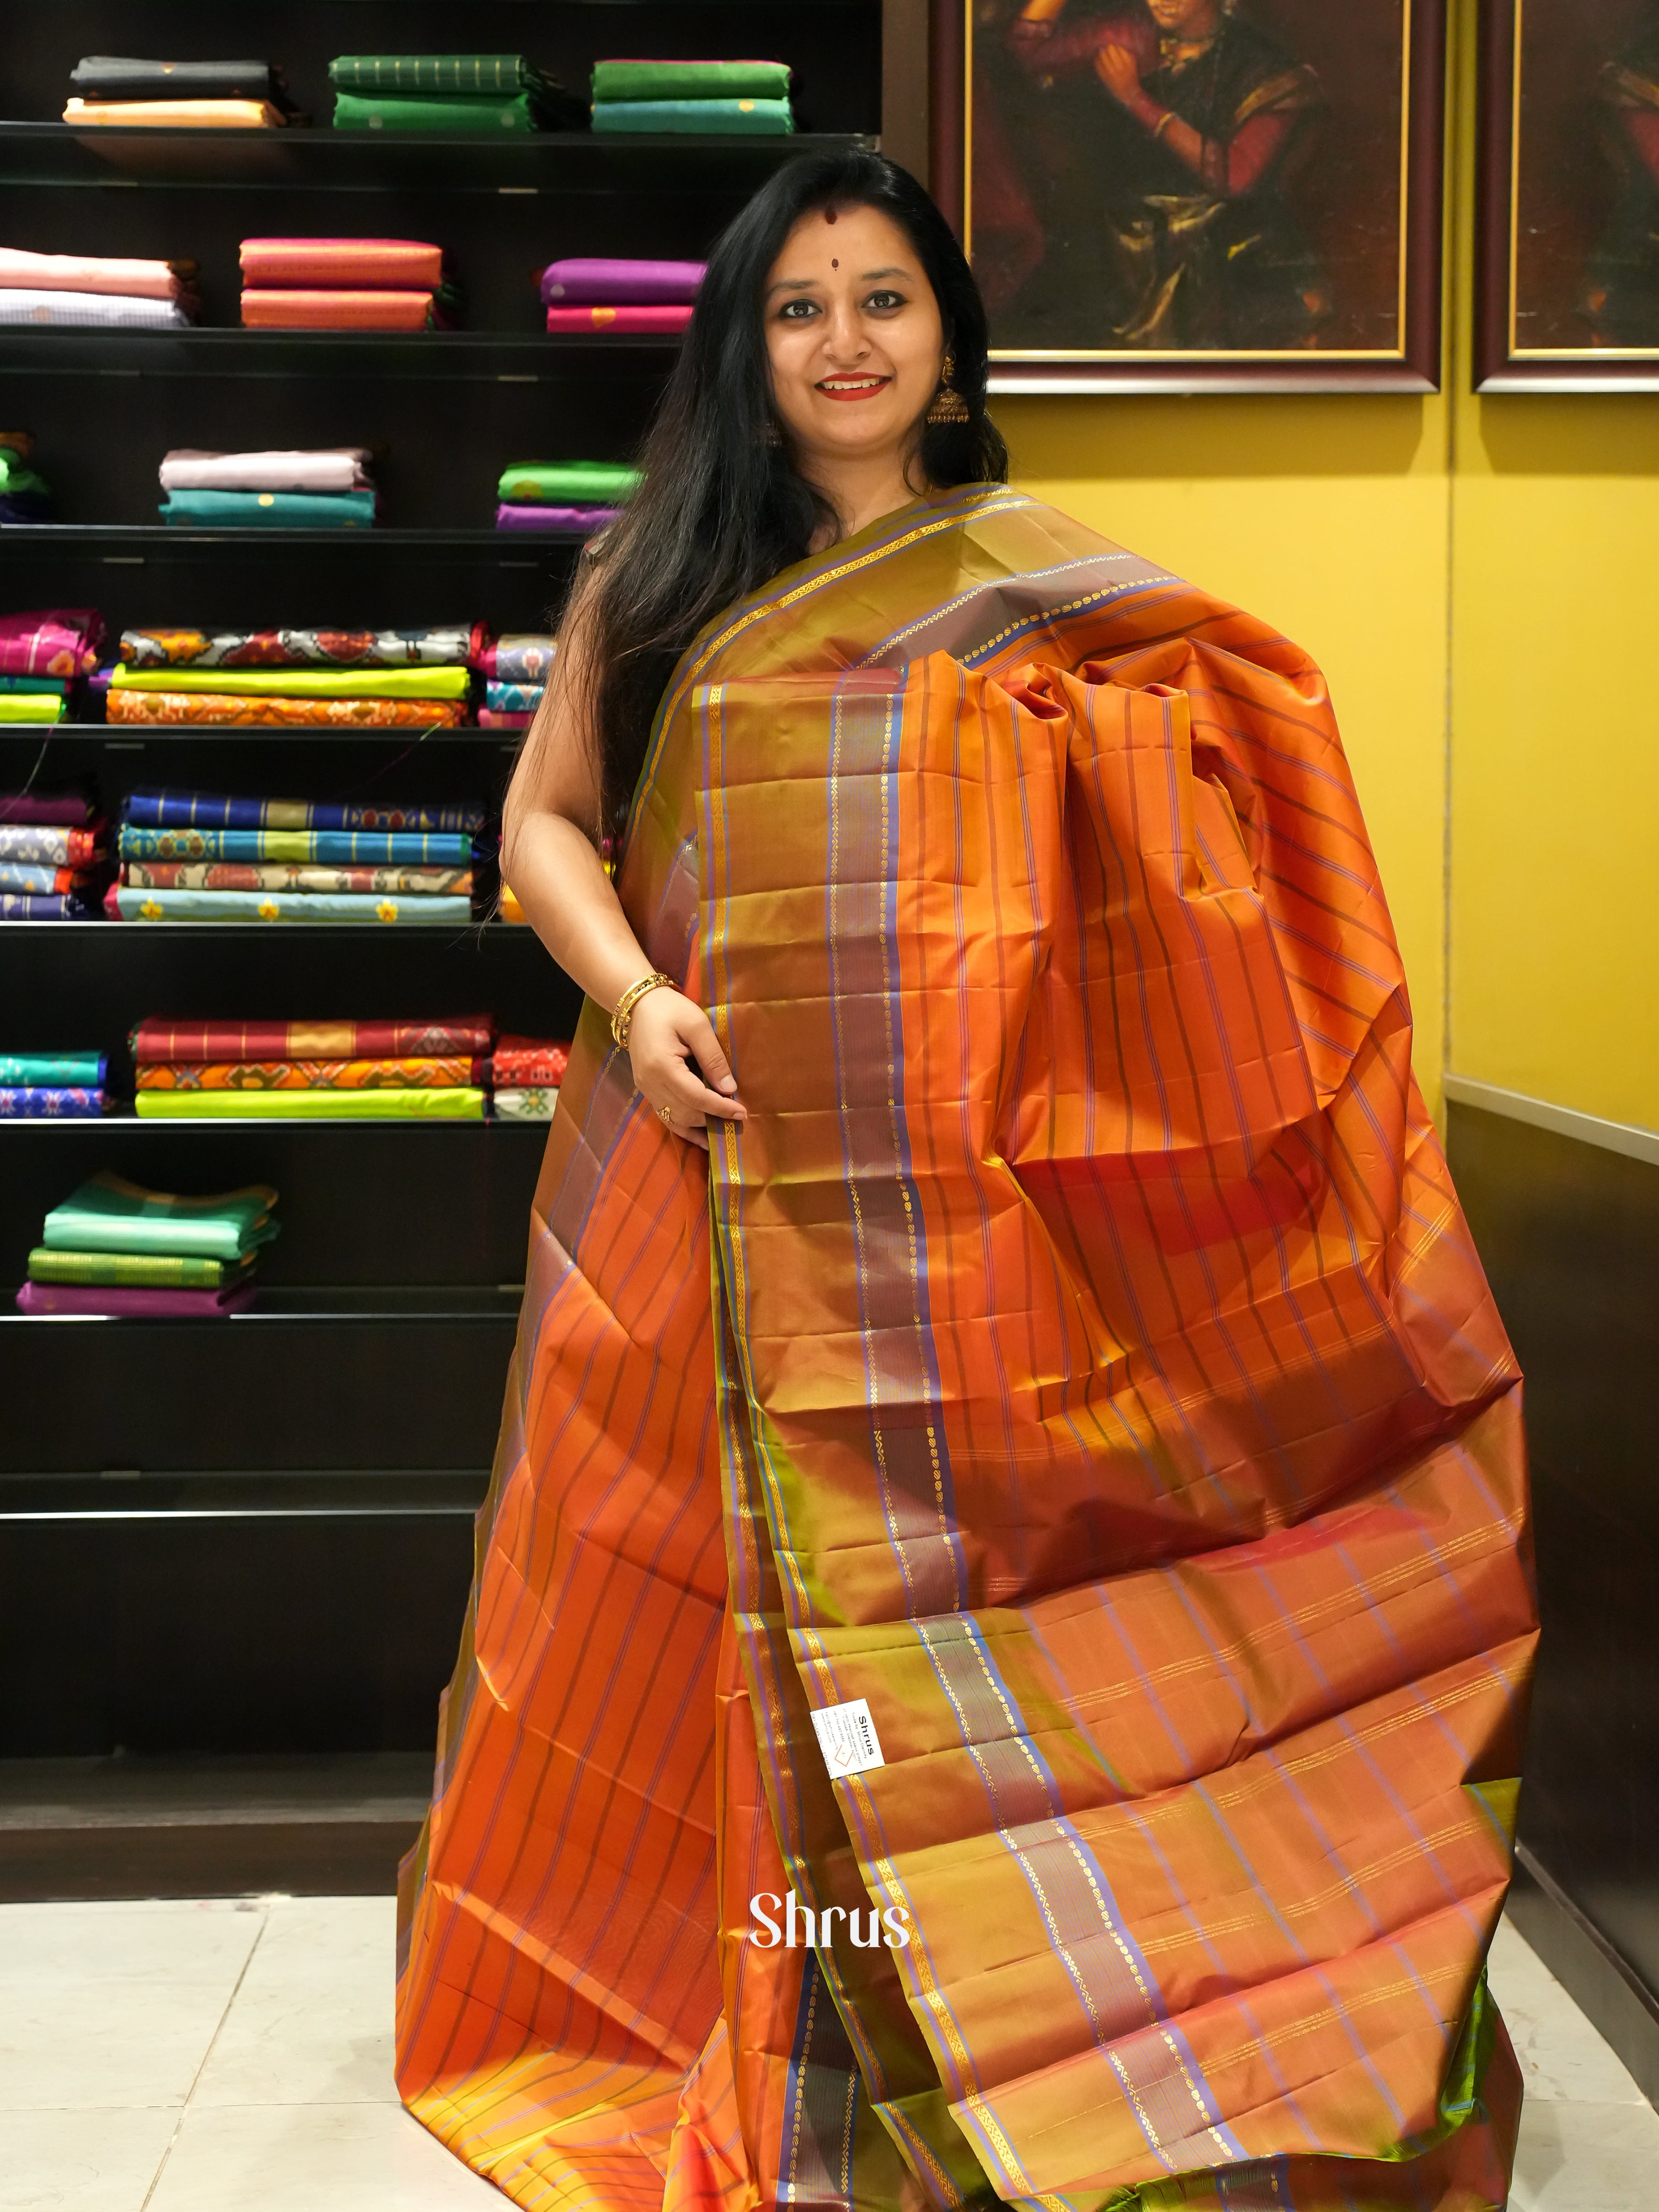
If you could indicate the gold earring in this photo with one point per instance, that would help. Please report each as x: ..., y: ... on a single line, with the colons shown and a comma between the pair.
x: 948, y: 405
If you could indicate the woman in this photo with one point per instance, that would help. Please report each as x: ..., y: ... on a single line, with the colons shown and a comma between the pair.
x: 1000, y: 1631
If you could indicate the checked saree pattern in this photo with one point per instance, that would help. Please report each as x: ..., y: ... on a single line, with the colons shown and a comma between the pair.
x: 1080, y: 1356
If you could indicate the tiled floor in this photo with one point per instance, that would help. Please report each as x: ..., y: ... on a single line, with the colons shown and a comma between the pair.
x: 237, y: 2058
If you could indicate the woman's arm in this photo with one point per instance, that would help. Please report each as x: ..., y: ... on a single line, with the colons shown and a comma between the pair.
x: 551, y: 858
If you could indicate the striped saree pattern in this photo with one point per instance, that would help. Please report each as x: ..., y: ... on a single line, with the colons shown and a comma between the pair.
x: 1078, y: 1356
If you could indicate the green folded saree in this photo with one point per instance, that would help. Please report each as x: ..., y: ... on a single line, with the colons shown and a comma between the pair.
x: 462, y: 1104
x: 30, y: 707
x: 41, y: 684
x: 434, y: 112
x: 301, y: 683
x: 136, y: 1271
x: 109, y: 1215
x: 16, y: 474
x: 626, y: 80
x: 733, y: 118
x: 454, y: 74
x: 603, y: 481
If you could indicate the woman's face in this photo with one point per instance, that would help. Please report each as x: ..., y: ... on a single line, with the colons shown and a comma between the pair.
x: 852, y: 334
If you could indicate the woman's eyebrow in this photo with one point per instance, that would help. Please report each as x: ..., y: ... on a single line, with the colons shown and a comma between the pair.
x: 871, y: 275
x: 790, y: 284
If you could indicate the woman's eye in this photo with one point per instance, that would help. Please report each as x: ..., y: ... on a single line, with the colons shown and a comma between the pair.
x: 797, y: 311
x: 882, y: 302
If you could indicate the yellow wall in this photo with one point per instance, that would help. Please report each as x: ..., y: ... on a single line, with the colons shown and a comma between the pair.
x: 1372, y: 530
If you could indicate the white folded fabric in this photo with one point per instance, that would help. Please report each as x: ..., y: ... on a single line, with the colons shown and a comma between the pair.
x: 106, y: 310
x: 90, y: 272
x: 329, y: 468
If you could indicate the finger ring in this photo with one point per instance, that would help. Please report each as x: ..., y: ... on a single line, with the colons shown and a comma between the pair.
x: 664, y: 1114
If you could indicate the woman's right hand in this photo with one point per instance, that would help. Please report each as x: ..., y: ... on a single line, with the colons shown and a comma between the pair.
x: 670, y: 1040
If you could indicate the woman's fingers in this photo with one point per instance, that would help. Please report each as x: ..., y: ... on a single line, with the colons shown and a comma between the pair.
x: 698, y: 1034
x: 672, y: 1045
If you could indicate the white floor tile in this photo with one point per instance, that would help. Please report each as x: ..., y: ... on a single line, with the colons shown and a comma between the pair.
x: 1562, y: 2057
x: 104, y: 2005
x: 1587, y: 2158
x: 311, y: 2021
x: 314, y: 2158
x: 80, y: 2161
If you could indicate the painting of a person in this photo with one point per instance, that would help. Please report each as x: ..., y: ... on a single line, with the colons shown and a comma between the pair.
x: 1148, y: 207
x: 1622, y: 291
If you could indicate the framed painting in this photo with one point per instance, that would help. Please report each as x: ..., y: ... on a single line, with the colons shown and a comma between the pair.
x: 1567, y: 263
x: 1197, y: 195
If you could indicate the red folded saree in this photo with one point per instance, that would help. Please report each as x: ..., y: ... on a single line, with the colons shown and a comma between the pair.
x: 338, y: 310
x: 156, y: 1038
x: 659, y: 321
x: 398, y: 264
x: 1076, y: 1510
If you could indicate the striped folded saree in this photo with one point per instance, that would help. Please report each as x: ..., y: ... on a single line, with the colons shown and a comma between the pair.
x: 1072, y: 1397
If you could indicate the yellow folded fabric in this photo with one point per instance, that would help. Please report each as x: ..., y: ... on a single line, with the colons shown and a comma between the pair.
x: 171, y: 115
x: 300, y: 682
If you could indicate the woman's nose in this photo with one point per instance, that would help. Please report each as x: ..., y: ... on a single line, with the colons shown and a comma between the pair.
x: 844, y: 337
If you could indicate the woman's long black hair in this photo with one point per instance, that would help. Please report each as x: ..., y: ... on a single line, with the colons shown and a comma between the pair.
x: 721, y: 508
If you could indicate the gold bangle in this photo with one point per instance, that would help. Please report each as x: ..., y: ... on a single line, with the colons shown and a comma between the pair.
x: 622, y: 1020
x: 1164, y: 122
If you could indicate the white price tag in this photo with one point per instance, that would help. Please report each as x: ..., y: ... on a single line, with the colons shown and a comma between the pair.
x: 847, y: 1739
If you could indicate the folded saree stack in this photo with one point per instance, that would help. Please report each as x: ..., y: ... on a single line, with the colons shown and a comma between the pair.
x: 434, y: 1070
x: 311, y: 488
x: 567, y: 498
x: 199, y: 856
x: 97, y: 291
x: 50, y: 870
x: 474, y: 93
x: 43, y: 656
x: 115, y: 1250
x: 118, y: 92
x: 344, y: 284
x: 738, y: 97
x: 514, y: 669
x: 527, y: 1073
x: 414, y: 679
x: 607, y: 294
x: 38, y: 1087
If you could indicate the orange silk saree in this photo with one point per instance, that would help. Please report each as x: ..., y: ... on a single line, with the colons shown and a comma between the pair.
x: 1080, y: 1359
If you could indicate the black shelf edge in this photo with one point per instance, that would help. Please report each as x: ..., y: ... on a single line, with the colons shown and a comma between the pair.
x: 299, y: 1306
x: 320, y: 158
x: 33, y: 540
x: 133, y: 737
x: 488, y: 933
x: 479, y: 356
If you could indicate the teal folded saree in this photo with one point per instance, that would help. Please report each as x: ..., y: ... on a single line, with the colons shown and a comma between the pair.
x: 270, y: 510
x: 752, y: 118
x: 109, y: 1215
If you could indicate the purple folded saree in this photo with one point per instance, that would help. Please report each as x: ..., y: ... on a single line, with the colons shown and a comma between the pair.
x: 56, y: 811
x: 606, y: 281
x: 103, y: 1302
x: 556, y: 521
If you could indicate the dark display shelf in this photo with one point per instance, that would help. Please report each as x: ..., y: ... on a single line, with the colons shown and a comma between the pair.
x: 325, y: 160
x: 481, y: 356
x: 296, y: 1305
x: 160, y: 541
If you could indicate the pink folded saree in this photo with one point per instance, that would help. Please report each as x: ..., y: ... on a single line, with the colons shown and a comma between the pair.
x: 270, y: 309
x: 657, y: 320
x: 95, y: 272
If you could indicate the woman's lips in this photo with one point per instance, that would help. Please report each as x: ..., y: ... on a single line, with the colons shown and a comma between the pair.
x: 866, y: 388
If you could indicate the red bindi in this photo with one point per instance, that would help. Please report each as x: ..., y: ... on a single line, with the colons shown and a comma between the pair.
x: 828, y: 215
x: 835, y: 264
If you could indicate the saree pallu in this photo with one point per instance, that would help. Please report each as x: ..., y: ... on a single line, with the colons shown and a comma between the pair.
x: 452, y: 1073
x: 1088, y: 1402
x: 290, y: 876
x: 158, y: 1039
x: 128, y: 704
x: 297, y: 648
x: 122, y: 903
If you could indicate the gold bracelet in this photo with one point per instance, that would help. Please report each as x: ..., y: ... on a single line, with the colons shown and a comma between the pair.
x: 622, y: 1020
x: 1164, y: 122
